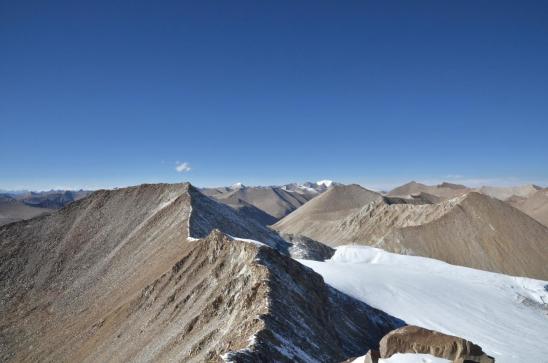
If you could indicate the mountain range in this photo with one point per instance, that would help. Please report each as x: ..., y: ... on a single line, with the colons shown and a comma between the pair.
x: 311, y: 272
x: 470, y: 229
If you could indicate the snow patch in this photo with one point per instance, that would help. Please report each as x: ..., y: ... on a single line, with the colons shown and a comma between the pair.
x: 247, y: 240
x: 227, y: 357
x: 189, y: 238
x: 291, y: 351
x: 237, y: 186
x: 326, y: 183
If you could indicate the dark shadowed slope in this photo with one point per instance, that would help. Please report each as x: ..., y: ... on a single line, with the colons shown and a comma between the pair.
x: 275, y: 201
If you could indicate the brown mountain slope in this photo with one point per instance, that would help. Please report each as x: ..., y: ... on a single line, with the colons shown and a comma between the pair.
x: 443, y: 191
x: 534, y: 205
x: 60, y: 272
x: 274, y: 201
x: 114, y: 277
x: 322, y: 212
x: 470, y: 230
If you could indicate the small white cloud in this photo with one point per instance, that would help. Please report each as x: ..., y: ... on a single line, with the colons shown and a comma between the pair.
x: 182, y: 167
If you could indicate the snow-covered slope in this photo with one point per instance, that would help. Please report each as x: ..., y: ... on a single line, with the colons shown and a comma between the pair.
x: 507, y: 316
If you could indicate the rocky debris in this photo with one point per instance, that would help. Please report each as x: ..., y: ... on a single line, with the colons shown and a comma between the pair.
x: 414, y: 339
x: 307, y: 249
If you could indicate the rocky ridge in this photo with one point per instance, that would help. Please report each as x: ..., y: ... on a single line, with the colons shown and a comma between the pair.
x: 116, y: 277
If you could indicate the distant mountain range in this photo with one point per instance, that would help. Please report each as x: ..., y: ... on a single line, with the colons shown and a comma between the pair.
x: 19, y: 205
x: 268, y: 204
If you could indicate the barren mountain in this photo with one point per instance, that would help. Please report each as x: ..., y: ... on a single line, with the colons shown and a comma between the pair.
x: 271, y: 203
x: 535, y: 205
x: 274, y: 201
x: 12, y: 210
x: 474, y: 231
x: 322, y: 213
x: 116, y: 277
x: 266, y: 205
x: 443, y: 190
x: 471, y: 230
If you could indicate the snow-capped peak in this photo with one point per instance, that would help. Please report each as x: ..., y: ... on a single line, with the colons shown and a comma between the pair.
x: 237, y: 186
x: 326, y: 183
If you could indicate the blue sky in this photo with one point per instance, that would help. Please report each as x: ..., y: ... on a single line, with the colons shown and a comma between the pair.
x: 112, y: 93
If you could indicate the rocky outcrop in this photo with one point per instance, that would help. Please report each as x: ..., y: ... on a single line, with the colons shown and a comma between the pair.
x: 413, y: 339
x: 307, y: 249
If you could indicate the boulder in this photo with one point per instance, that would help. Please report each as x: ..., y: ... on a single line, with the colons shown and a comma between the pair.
x: 414, y: 339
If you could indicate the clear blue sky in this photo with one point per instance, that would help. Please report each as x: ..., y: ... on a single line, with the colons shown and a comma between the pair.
x: 106, y: 93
